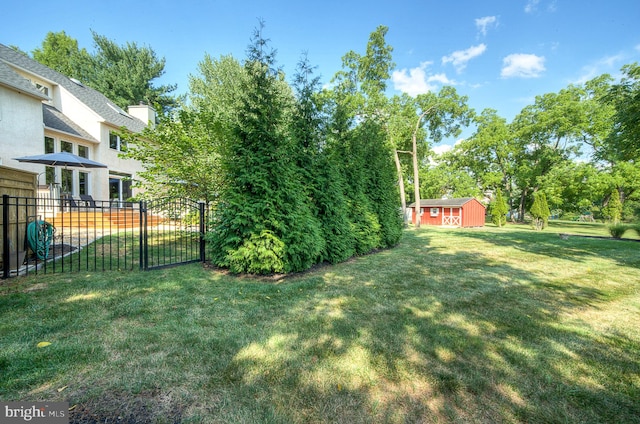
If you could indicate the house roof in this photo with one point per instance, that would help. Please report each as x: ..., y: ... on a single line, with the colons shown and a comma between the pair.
x: 447, y: 203
x: 56, y: 120
x: 93, y: 99
x: 12, y: 80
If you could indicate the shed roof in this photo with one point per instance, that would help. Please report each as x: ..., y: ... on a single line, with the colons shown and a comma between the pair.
x: 95, y: 100
x: 447, y: 203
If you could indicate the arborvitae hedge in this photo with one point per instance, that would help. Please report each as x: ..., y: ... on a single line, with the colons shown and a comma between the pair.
x: 264, y: 204
x: 296, y: 193
x: 382, y: 187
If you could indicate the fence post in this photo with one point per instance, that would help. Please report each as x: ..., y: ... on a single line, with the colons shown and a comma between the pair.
x: 5, y: 236
x: 144, y: 237
x: 201, y: 204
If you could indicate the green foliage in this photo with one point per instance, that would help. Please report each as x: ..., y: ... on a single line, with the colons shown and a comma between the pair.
x: 364, y: 225
x: 319, y: 170
x: 259, y: 254
x: 332, y: 209
x: 61, y: 53
x: 124, y: 74
x: 444, y: 180
x: 618, y: 230
x: 622, y: 143
x: 180, y: 156
x: 612, y: 211
x: 540, y: 210
x: 359, y: 144
x: 498, y: 209
x: 381, y: 185
x: 264, y: 189
x: 575, y: 186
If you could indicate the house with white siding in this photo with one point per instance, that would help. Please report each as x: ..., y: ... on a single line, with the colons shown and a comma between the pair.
x: 44, y: 111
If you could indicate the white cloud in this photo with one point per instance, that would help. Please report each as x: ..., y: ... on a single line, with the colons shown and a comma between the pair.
x: 416, y: 81
x: 484, y: 23
x: 412, y: 81
x: 442, y: 148
x: 441, y: 78
x: 532, y: 6
x: 522, y: 66
x: 607, y: 64
x: 460, y: 58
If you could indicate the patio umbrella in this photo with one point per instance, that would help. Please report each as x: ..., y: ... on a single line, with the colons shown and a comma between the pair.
x: 62, y: 159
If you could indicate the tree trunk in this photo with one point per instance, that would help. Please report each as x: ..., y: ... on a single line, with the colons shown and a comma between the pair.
x: 403, y: 200
x: 523, y: 198
x: 416, y: 182
x: 416, y: 176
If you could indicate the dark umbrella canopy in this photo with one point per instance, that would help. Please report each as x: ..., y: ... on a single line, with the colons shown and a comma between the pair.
x: 62, y: 159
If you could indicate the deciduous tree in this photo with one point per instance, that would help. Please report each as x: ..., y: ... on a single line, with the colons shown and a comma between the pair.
x: 61, y: 53
x: 125, y: 74
x: 622, y: 143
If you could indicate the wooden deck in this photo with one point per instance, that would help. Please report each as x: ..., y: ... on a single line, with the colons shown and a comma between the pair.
x: 116, y: 219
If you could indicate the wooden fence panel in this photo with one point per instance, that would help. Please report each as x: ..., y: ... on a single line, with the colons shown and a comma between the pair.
x: 16, y: 183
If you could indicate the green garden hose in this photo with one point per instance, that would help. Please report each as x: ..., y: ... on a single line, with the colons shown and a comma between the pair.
x: 39, y: 236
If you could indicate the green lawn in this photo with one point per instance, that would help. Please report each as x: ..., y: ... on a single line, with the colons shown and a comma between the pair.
x: 481, y: 325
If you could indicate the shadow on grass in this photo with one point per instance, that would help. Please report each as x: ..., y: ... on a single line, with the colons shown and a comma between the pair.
x: 414, y: 334
x: 484, y: 348
x: 575, y: 248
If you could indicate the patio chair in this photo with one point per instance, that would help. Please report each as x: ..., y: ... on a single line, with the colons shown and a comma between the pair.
x: 69, y: 202
x: 88, y: 201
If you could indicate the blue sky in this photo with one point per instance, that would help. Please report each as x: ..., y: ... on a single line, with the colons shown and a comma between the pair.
x: 500, y: 53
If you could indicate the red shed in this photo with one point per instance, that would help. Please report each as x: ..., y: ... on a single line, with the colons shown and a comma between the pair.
x: 463, y: 212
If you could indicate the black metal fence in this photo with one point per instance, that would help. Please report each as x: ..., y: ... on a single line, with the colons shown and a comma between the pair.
x: 45, y: 235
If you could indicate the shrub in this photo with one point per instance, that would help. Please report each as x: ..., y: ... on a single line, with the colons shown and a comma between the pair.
x: 498, y: 209
x: 260, y: 254
x: 613, y: 208
x: 617, y: 230
x: 540, y: 210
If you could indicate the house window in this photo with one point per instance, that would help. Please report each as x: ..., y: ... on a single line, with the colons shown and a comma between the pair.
x: 49, y: 145
x: 83, y: 183
x: 65, y: 146
x: 43, y: 89
x: 67, y: 181
x: 119, y: 188
x: 50, y: 175
x: 435, y: 211
x: 116, y: 143
x: 83, y: 151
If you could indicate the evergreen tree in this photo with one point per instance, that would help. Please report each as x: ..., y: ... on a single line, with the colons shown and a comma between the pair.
x: 498, y: 209
x: 124, y: 74
x: 323, y: 177
x: 613, y: 210
x: 540, y: 210
x: 264, y: 223
x: 359, y: 145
